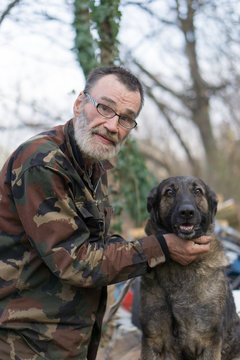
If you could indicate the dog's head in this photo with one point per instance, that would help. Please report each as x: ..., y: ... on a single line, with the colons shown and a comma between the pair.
x: 183, y: 205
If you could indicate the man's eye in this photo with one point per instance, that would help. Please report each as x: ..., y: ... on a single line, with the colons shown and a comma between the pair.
x: 127, y: 120
x: 105, y: 109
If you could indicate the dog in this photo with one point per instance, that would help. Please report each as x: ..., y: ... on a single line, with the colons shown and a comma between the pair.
x: 187, y: 312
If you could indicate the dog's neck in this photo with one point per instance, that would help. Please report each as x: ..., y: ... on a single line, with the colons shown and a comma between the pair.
x: 153, y: 228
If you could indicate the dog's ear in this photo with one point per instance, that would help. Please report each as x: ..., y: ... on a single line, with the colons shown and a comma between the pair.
x: 152, y: 207
x: 152, y: 198
x: 154, y: 224
x: 212, y: 201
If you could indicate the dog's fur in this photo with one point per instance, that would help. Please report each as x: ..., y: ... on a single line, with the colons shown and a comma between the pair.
x: 187, y: 312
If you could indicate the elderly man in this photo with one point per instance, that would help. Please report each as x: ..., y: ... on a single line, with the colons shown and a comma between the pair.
x: 56, y: 256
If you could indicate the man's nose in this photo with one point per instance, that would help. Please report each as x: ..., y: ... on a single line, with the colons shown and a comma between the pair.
x: 112, y: 124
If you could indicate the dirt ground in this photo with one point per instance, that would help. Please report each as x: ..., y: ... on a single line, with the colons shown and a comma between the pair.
x: 120, y: 339
x: 121, y: 347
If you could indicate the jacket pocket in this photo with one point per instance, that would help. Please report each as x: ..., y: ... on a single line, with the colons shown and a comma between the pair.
x: 93, y: 221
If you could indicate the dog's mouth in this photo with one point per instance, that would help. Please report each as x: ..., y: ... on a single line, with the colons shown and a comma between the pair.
x: 186, y: 228
x: 186, y: 231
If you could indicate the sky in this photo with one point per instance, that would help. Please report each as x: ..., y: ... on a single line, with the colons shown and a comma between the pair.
x: 40, y: 76
x: 37, y: 70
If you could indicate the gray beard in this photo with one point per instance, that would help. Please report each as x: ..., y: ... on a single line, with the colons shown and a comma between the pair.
x: 87, y: 143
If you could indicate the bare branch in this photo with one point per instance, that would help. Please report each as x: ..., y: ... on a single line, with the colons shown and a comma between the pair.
x: 163, y: 108
x: 8, y: 9
x: 151, y: 153
x: 179, y: 96
x: 145, y: 7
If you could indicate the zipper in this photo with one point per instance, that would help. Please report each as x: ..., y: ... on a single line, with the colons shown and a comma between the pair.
x: 95, y: 189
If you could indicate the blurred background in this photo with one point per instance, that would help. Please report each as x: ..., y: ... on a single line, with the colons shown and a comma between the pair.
x: 185, y: 52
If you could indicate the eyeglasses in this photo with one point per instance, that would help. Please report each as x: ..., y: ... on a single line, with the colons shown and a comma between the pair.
x: 109, y: 113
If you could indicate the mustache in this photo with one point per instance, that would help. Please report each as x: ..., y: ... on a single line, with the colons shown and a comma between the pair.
x: 106, y: 133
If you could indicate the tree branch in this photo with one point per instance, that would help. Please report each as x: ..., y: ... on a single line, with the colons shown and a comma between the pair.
x: 8, y: 9
x: 145, y: 7
x: 162, y: 107
x: 183, y: 98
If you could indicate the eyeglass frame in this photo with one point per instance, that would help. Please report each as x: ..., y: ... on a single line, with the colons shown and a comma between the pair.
x: 96, y: 104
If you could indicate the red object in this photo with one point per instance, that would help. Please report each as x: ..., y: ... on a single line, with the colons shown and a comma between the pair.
x: 128, y: 300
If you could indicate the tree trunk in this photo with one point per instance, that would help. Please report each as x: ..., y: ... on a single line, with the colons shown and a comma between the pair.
x: 200, y: 90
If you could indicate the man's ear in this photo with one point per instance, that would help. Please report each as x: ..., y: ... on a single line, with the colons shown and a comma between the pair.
x: 77, y: 104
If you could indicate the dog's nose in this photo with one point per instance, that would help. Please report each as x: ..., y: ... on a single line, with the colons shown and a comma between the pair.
x: 186, y: 211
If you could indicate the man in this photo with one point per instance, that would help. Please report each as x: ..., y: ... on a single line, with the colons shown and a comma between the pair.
x: 56, y: 256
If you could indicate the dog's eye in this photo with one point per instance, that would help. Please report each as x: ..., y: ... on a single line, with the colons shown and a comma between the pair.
x: 198, y: 191
x: 169, y: 193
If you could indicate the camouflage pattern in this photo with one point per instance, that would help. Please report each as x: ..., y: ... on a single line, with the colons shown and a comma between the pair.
x: 56, y: 258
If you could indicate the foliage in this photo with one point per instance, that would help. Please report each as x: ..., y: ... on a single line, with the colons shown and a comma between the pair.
x: 131, y: 174
x: 187, y: 55
x: 134, y: 182
x: 85, y: 45
x: 102, y: 19
x: 106, y: 19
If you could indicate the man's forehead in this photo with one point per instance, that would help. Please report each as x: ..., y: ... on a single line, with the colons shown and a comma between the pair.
x: 106, y: 80
x: 110, y: 89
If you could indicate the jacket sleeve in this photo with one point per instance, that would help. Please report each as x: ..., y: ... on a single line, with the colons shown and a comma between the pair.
x: 59, y: 234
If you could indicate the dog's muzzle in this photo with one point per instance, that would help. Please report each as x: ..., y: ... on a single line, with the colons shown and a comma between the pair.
x: 187, y: 221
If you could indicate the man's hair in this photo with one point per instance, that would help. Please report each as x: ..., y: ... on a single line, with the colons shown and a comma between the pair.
x: 124, y: 76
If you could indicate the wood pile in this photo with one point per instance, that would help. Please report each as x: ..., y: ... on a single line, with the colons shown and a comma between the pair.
x: 229, y: 213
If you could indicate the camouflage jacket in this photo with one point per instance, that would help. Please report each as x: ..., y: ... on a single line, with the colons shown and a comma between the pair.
x: 56, y: 258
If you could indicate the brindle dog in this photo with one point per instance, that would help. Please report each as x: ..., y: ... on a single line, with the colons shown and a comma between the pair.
x: 187, y: 312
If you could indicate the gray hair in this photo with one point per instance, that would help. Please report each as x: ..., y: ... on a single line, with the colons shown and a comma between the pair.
x: 124, y: 76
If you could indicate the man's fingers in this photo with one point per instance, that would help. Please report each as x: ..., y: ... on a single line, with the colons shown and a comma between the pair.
x: 185, y: 251
x: 199, y: 248
x: 203, y: 240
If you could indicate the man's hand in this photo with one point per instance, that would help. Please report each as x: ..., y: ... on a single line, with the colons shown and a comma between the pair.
x: 185, y: 251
